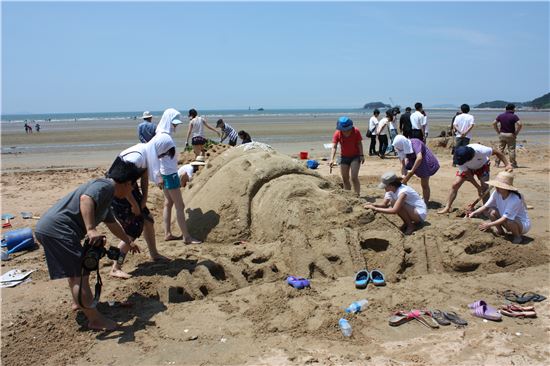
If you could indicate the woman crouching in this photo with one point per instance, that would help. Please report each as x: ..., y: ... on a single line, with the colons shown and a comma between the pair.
x: 402, y: 200
x: 507, y: 208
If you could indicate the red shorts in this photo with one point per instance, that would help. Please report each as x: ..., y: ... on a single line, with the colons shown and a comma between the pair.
x: 484, y: 171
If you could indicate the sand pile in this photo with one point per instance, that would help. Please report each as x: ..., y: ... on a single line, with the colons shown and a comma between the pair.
x: 264, y: 216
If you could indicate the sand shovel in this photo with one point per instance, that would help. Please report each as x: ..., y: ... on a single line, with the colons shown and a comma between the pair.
x: 470, y: 208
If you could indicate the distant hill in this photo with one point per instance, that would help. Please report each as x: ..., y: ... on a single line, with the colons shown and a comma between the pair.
x: 538, y: 103
x: 375, y: 105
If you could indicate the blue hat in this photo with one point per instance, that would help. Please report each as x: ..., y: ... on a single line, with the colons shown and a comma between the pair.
x: 344, y: 124
x: 464, y: 154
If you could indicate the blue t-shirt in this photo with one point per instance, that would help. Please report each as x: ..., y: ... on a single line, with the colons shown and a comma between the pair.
x: 146, y: 131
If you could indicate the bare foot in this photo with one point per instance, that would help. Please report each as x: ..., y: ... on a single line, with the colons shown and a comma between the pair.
x: 410, y: 229
x: 191, y: 240
x: 159, y: 258
x: 102, y: 324
x: 119, y: 274
x: 444, y: 210
x: 75, y: 307
x: 172, y: 237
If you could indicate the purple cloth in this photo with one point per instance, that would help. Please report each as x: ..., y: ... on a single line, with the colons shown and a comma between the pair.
x: 507, y: 121
x: 429, y: 165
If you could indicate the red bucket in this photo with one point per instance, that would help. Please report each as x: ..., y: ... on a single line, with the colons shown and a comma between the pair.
x: 303, y: 155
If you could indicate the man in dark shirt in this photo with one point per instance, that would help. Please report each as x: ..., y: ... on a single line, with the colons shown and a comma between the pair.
x: 405, y: 126
x: 507, y: 125
x: 146, y: 129
x: 75, y: 216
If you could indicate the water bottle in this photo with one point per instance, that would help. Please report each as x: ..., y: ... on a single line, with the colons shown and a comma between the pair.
x: 345, y: 327
x: 357, y: 306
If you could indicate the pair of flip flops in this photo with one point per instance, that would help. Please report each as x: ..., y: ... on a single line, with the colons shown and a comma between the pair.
x: 523, y: 298
x: 298, y: 282
x: 423, y: 317
x: 363, y: 277
x: 447, y: 317
x: 482, y: 310
x: 516, y: 311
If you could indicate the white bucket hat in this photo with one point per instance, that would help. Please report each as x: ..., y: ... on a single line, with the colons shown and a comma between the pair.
x: 147, y: 114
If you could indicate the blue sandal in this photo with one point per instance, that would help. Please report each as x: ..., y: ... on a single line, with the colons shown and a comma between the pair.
x: 377, y: 278
x: 362, y: 279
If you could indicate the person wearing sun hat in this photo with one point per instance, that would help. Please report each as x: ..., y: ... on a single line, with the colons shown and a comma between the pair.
x: 351, y: 152
x: 186, y: 172
x: 507, y: 208
x: 473, y: 160
x: 402, y: 200
x: 146, y: 129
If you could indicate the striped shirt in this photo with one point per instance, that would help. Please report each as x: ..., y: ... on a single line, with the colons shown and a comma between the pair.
x: 228, y: 131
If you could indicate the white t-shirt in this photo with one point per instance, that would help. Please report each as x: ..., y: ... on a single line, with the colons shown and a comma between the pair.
x: 481, y: 157
x: 373, y: 123
x: 186, y: 169
x: 392, y: 125
x: 131, y: 155
x: 381, y: 129
x: 412, y: 199
x: 512, y: 208
x: 197, y: 128
x: 417, y: 120
x: 462, y: 123
x: 168, y: 165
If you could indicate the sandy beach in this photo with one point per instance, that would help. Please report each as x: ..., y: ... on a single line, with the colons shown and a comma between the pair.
x: 264, y: 216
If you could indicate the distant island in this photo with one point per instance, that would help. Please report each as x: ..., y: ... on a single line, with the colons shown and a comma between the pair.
x: 376, y: 105
x: 537, y: 103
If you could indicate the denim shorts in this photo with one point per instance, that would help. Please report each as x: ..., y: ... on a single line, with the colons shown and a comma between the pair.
x: 171, y: 181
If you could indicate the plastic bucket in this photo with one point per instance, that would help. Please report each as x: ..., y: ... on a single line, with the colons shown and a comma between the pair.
x: 19, y: 239
x: 303, y: 155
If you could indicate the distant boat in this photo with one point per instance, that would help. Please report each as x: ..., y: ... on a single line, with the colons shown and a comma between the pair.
x: 260, y: 109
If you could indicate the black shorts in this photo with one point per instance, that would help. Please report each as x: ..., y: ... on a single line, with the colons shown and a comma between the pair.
x: 122, y: 209
x: 232, y: 142
x: 344, y: 160
x: 63, y: 256
x: 198, y: 140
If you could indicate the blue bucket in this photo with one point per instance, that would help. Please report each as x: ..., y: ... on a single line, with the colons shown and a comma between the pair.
x: 17, y: 240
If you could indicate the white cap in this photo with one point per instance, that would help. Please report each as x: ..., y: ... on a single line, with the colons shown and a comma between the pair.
x: 146, y: 114
x: 186, y: 169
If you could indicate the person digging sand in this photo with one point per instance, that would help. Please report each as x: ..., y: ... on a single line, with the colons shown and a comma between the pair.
x: 506, y: 208
x: 402, y: 200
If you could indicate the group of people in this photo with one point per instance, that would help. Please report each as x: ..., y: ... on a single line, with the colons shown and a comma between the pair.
x: 120, y: 201
x: 506, y: 206
x: 28, y: 127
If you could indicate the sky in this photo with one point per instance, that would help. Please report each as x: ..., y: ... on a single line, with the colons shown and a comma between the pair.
x: 126, y: 56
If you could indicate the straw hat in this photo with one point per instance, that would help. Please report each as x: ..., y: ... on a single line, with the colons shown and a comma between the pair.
x: 147, y: 114
x: 503, y: 180
x: 199, y: 161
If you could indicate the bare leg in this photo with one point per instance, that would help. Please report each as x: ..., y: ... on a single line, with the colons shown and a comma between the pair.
x: 96, y: 320
x: 495, y: 215
x: 409, y: 216
x: 515, y: 228
x: 197, y: 149
x: 355, y: 165
x: 452, y: 194
x: 116, y: 269
x: 344, y: 171
x: 149, y: 236
x: 425, y: 183
x: 175, y: 195
x: 167, y: 215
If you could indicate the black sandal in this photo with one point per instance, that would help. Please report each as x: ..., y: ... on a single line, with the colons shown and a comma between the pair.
x: 454, y: 318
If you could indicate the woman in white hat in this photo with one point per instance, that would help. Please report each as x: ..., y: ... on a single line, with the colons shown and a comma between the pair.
x: 507, y: 208
x: 186, y: 172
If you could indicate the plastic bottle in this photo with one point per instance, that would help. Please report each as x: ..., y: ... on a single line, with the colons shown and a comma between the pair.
x: 357, y: 306
x: 345, y: 327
